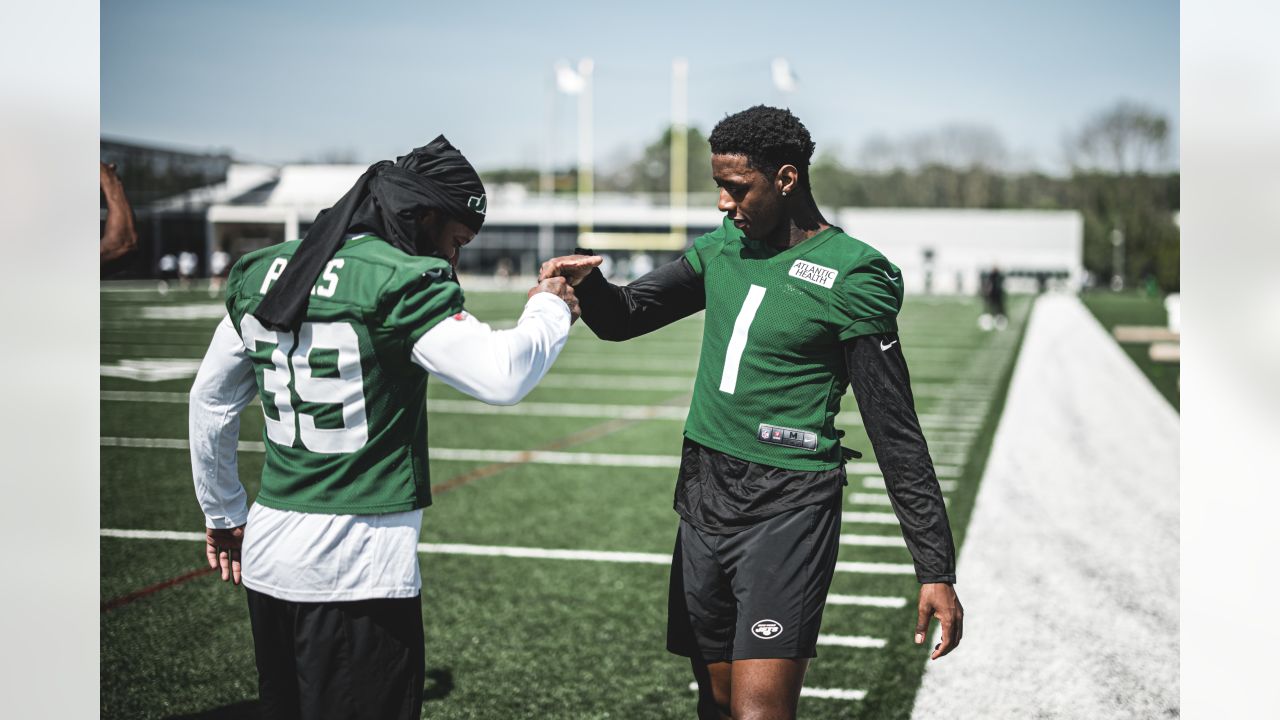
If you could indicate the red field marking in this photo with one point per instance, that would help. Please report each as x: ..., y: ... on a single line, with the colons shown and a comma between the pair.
x: 152, y: 589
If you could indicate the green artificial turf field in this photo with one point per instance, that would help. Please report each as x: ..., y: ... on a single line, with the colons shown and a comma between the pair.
x: 546, y: 633
x: 1136, y: 308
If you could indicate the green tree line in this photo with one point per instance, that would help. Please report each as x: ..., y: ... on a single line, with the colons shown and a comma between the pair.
x: 1119, y: 180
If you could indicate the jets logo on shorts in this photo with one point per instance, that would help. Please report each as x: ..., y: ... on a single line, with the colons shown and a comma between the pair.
x: 767, y: 629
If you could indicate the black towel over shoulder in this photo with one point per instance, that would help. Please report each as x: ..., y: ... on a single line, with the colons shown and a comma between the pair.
x: 388, y: 201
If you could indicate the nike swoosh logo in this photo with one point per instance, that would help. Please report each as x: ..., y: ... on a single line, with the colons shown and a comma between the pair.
x: 891, y: 278
x: 886, y: 347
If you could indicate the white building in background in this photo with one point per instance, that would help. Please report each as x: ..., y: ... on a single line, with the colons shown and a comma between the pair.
x: 939, y: 250
x: 946, y: 250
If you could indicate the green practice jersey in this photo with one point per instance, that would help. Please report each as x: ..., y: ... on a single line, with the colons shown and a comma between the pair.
x: 772, y: 369
x: 344, y: 405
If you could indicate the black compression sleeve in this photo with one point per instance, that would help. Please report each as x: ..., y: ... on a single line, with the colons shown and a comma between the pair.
x: 882, y: 385
x: 668, y: 293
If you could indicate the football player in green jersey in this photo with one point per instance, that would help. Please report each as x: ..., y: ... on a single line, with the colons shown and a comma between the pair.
x: 337, y: 334
x: 796, y: 312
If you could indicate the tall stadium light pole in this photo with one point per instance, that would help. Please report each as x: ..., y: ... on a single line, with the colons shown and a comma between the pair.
x: 547, y: 180
x: 1117, y: 259
x: 679, y: 148
x: 586, y: 180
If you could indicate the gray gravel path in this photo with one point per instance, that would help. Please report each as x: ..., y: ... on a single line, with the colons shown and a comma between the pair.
x: 1069, y: 573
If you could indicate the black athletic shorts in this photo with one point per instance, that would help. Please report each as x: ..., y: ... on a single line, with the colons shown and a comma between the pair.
x: 757, y: 593
x: 349, y: 660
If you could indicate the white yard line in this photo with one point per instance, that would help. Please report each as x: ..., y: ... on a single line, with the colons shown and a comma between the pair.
x: 876, y: 568
x: 524, y: 552
x: 873, y: 518
x: 870, y: 468
x: 471, y: 407
x: 545, y: 457
x: 867, y: 601
x: 878, y: 499
x: 852, y: 641
x: 822, y: 693
x: 549, y: 409
x: 541, y: 457
x: 872, y: 540
x: 859, y: 498
x: 545, y: 409
x: 1073, y: 542
x: 874, y: 482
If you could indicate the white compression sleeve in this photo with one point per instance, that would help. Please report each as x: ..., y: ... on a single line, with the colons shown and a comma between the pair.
x: 223, y: 387
x: 498, y: 367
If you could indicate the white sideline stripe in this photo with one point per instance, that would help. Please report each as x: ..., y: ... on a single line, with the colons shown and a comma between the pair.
x: 877, y: 483
x: 875, y: 518
x: 873, y: 540
x: 823, y: 693
x: 853, y: 641
x: 517, y: 552
x: 867, y: 600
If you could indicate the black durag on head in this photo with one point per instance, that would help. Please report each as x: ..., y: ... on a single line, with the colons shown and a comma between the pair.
x: 388, y: 201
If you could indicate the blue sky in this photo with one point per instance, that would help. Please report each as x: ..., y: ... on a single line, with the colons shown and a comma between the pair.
x: 278, y: 81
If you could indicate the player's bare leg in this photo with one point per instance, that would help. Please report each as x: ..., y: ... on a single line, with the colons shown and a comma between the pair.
x: 715, y: 680
x: 766, y: 689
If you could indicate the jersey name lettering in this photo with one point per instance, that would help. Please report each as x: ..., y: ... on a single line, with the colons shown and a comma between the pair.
x: 816, y: 274
x: 325, y: 286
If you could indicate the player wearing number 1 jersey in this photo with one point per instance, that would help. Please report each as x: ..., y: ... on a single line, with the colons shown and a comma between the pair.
x: 796, y: 312
x: 337, y: 334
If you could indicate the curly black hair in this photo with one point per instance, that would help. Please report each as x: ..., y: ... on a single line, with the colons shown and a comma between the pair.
x: 769, y: 137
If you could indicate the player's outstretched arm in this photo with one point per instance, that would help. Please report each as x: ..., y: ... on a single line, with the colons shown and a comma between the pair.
x: 882, y: 384
x: 500, y: 367
x: 658, y: 298
x: 120, y: 237
x: 224, y: 386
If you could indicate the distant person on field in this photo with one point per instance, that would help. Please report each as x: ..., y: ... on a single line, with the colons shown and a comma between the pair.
x: 337, y: 334
x: 993, y: 299
x: 187, y: 264
x: 119, y: 237
x: 219, y: 264
x: 168, y: 269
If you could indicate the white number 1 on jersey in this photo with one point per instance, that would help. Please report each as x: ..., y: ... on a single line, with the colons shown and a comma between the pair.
x: 738, y: 341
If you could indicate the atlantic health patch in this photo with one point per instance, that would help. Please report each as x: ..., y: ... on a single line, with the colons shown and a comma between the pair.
x: 816, y: 274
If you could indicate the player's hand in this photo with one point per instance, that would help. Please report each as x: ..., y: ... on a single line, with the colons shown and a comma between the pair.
x: 574, y: 268
x: 222, y: 549
x: 109, y: 182
x: 940, y: 599
x: 559, y: 287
